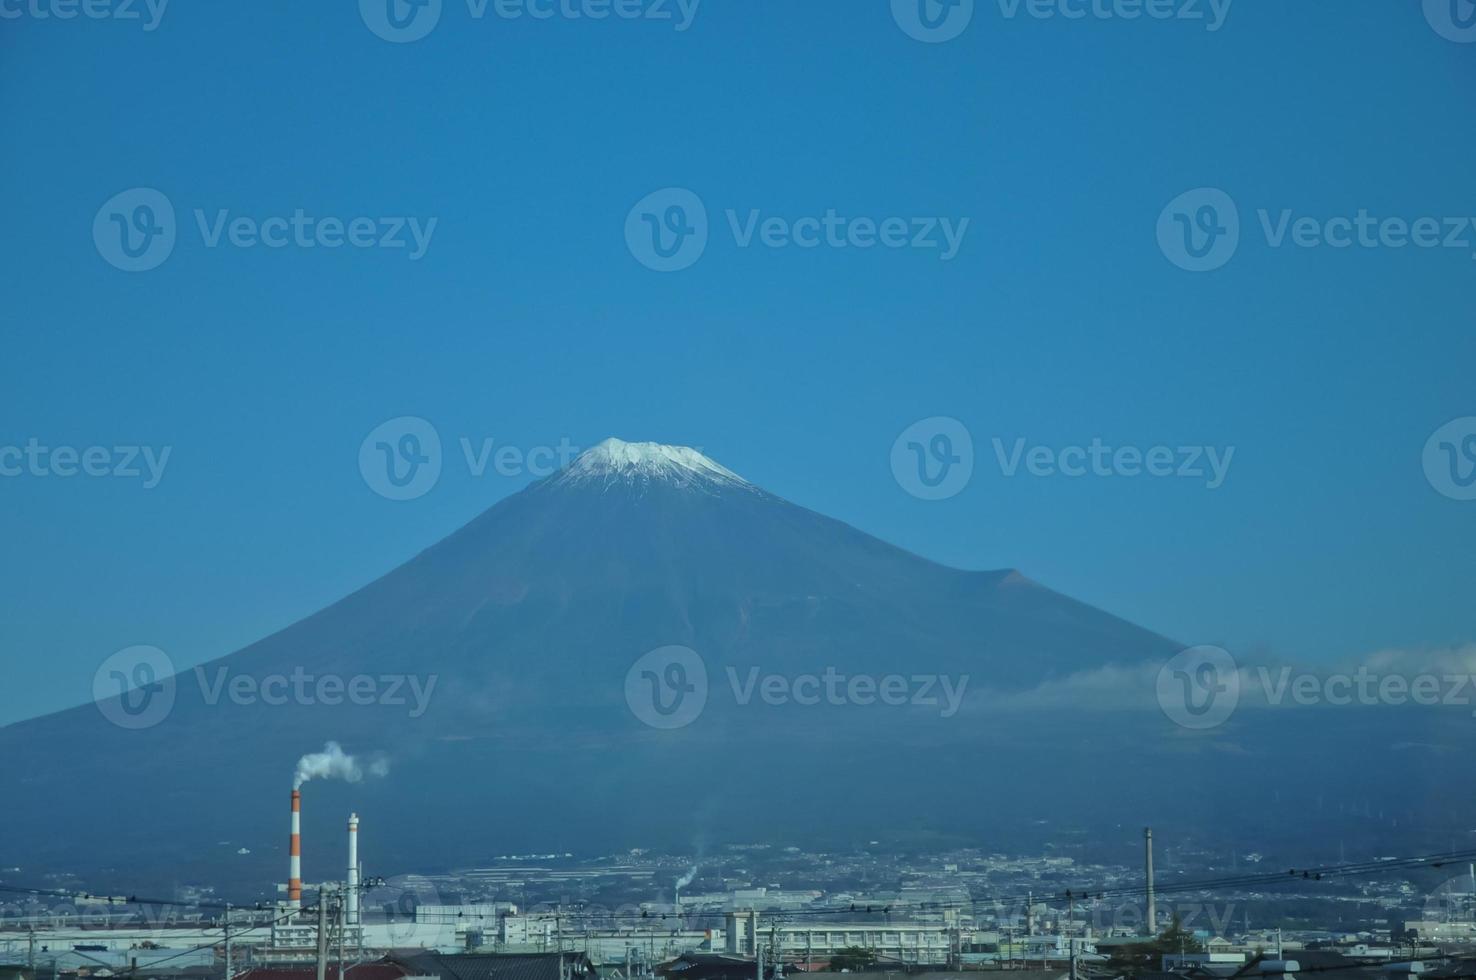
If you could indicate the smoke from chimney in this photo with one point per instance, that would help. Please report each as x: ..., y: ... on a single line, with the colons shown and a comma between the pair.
x: 334, y: 763
x: 683, y: 882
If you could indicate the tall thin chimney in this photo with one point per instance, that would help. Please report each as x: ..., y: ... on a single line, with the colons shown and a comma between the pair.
x: 1152, y: 923
x: 351, y: 901
x: 294, y: 861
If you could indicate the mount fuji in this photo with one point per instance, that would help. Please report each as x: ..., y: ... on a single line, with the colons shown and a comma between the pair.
x: 849, y: 691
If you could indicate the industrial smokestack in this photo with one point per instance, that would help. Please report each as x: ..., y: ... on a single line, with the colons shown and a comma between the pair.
x: 351, y: 902
x: 1152, y: 922
x: 294, y: 861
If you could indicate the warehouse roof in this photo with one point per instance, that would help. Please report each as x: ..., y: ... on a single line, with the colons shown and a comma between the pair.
x: 495, y: 966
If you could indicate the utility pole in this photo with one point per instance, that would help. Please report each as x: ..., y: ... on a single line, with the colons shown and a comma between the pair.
x: 342, y: 931
x: 758, y: 949
x: 322, y: 934
x: 1148, y: 873
x: 31, y: 950
x: 228, y: 941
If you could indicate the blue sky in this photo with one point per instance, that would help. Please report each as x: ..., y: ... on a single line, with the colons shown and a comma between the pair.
x: 528, y: 320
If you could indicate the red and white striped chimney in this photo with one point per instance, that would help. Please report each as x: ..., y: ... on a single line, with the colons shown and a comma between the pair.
x: 294, y: 866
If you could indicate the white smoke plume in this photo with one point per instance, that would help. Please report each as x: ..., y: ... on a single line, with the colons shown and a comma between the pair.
x: 686, y: 879
x: 334, y: 763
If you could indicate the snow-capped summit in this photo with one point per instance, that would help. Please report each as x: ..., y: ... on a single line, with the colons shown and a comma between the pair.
x: 616, y: 460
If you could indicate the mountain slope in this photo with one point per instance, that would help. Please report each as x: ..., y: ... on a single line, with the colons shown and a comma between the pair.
x: 524, y: 625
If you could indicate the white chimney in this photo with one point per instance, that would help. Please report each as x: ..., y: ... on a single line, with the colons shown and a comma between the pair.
x: 351, y: 903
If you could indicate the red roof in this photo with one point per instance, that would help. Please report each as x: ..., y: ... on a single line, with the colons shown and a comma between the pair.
x: 363, y: 971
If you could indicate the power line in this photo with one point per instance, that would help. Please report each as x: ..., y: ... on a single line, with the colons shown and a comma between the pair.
x: 129, y: 971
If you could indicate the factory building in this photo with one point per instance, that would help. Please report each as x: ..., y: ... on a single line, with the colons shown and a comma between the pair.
x: 910, y: 943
